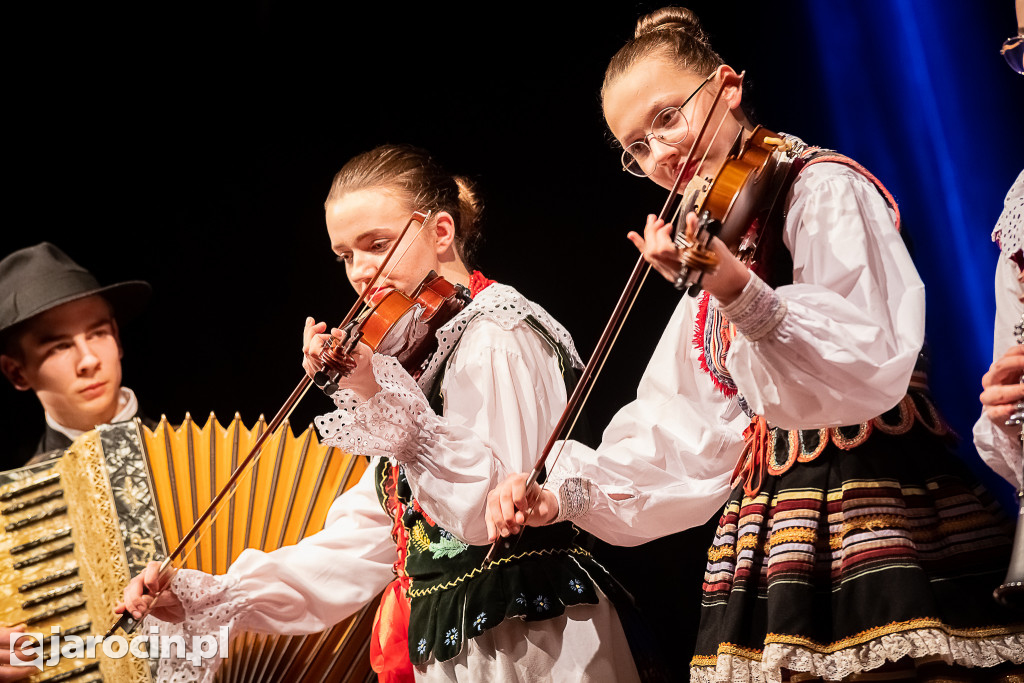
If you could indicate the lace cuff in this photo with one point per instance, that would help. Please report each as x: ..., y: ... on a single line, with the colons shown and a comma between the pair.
x: 394, y: 423
x: 210, y: 617
x: 756, y: 311
x: 573, y: 499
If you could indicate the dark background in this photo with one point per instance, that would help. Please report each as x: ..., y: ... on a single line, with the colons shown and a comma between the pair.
x: 194, y: 149
x: 192, y: 146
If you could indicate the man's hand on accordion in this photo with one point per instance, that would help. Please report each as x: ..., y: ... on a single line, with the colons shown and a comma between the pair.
x: 9, y: 637
x: 139, y: 600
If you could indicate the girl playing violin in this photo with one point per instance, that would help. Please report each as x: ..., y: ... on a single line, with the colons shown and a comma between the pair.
x: 852, y: 541
x: 486, y: 399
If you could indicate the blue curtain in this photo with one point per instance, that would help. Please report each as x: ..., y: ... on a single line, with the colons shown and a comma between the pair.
x: 917, y: 91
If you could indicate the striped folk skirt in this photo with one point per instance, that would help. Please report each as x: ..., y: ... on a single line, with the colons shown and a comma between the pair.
x: 875, y: 562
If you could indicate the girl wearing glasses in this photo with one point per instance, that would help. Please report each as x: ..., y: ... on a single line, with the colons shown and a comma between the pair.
x: 852, y: 541
x: 486, y: 401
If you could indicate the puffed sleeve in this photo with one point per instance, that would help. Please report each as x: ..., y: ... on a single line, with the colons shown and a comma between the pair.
x: 297, y: 589
x: 1002, y: 451
x: 665, y: 461
x: 842, y: 340
x: 503, y: 392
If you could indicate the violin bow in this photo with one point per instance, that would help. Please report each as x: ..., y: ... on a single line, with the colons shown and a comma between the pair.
x: 126, y: 622
x: 574, y: 406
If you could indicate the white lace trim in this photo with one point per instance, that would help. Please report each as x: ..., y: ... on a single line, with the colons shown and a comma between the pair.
x: 207, y: 609
x: 398, y: 422
x: 394, y: 423
x: 1009, y: 229
x: 506, y: 307
x: 573, y: 499
x: 918, y: 644
x: 757, y: 311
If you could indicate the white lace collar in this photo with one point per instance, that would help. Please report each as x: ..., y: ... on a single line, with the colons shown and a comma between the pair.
x: 1009, y: 229
x: 501, y: 304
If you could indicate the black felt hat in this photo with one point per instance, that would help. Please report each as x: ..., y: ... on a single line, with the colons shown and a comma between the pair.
x: 36, y: 279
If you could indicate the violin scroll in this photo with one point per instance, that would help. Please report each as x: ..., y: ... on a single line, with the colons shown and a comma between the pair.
x: 735, y: 205
x: 337, y: 363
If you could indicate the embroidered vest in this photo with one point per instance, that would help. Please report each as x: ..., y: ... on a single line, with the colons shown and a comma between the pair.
x: 713, y: 336
x: 451, y: 597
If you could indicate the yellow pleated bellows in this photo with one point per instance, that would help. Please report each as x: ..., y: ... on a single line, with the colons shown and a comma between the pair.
x: 130, y: 495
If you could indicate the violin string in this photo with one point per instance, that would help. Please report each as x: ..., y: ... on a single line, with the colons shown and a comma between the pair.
x: 714, y: 137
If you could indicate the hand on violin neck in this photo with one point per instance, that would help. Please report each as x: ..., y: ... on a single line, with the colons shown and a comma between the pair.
x: 313, y: 339
x: 727, y: 281
x: 508, y: 505
x: 361, y: 380
x: 659, y: 249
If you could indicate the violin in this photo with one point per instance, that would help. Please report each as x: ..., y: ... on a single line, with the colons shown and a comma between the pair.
x: 735, y: 205
x: 727, y: 207
x: 398, y: 325
x: 394, y: 321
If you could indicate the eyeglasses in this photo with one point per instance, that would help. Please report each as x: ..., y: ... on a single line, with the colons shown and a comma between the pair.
x: 669, y: 126
x: 1013, y: 51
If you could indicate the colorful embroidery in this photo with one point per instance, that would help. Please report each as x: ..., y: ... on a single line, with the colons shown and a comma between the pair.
x: 542, y: 603
x: 786, y: 448
x: 480, y: 620
x: 448, y: 546
x: 419, y: 537
x: 712, y: 337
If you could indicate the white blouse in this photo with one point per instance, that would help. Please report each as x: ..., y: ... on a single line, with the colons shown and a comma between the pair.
x: 1001, y: 451
x: 503, y: 393
x: 842, y: 350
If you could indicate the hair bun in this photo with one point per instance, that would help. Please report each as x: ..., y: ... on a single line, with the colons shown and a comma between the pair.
x: 671, y: 19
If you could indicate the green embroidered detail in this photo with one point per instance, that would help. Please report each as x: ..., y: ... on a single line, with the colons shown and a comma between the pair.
x: 448, y: 546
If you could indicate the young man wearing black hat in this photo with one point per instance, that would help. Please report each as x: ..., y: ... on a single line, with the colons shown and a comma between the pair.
x: 59, y: 338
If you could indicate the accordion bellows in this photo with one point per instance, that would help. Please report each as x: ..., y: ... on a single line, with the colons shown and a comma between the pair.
x: 123, y: 495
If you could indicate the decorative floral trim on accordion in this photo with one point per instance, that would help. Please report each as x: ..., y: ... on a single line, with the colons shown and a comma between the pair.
x: 786, y: 448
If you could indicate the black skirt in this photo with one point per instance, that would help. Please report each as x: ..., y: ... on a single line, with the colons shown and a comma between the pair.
x: 874, y: 551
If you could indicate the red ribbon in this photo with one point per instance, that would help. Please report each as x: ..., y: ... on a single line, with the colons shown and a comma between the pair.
x: 389, y: 641
x: 389, y: 644
x: 754, y: 459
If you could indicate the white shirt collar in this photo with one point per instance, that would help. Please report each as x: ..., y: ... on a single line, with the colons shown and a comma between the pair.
x: 127, y: 406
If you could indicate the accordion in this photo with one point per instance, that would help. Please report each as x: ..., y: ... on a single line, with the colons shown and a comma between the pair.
x: 75, y: 529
